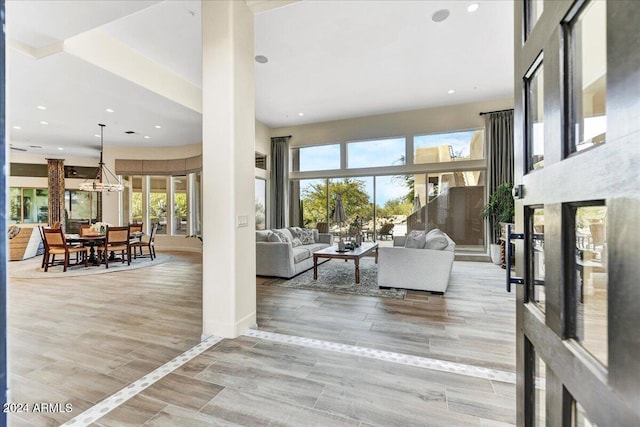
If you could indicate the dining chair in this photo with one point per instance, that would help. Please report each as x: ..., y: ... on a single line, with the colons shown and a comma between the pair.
x: 135, y: 228
x: 56, y: 244
x: 116, y: 239
x: 150, y: 244
x: 84, y: 229
x: 45, y: 254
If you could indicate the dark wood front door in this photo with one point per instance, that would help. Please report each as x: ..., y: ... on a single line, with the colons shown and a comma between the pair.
x: 577, y: 163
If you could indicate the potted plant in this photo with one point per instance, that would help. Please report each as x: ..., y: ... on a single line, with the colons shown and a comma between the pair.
x: 499, y: 210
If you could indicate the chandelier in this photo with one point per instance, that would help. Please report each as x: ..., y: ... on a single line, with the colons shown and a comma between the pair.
x: 102, y: 181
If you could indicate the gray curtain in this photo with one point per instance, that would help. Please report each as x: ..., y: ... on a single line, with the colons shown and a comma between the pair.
x: 499, y: 137
x: 279, y: 181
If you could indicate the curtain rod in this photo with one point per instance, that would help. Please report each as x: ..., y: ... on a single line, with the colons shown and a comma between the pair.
x: 497, y: 111
x: 284, y: 136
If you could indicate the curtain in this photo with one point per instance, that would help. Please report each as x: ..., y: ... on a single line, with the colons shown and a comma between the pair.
x: 499, y: 137
x: 279, y: 181
x: 55, y: 170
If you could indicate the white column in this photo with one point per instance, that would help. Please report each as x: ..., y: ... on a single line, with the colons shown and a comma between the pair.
x: 228, y: 132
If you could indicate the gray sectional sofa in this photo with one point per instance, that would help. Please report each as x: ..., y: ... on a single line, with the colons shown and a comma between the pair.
x: 286, y: 252
x: 421, y: 261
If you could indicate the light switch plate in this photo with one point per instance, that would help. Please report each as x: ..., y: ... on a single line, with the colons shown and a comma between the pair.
x: 242, y: 221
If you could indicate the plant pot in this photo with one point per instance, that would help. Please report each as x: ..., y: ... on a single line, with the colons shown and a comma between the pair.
x: 496, y: 257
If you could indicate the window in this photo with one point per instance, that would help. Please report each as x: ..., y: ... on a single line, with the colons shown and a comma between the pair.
x: 261, y: 204
x: 316, y: 158
x: 588, y: 73
x: 81, y: 207
x: 535, y: 118
x: 158, y: 202
x: 537, y: 290
x: 196, y: 211
x: 376, y: 153
x: 448, y: 147
x: 533, y: 10
x: 180, y: 205
x: 28, y: 205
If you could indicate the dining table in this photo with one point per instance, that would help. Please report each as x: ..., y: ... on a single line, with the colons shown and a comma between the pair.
x: 92, y: 240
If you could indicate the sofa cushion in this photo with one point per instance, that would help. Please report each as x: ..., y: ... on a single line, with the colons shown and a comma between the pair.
x: 263, y: 235
x: 284, y: 234
x: 316, y: 235
x: 316, y: 246
x: 437, y: 241
x: 300, y: 254
x: 295, y: 242
x: 415, y: 240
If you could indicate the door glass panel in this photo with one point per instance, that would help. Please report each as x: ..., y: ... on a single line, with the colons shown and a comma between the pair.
x: 534, y: 10
x: 592, y: 279
x: 535, y: 119
x: 588, y: 50
x: 313, y: 202
x: 537, y: 255
x: 540, y: 387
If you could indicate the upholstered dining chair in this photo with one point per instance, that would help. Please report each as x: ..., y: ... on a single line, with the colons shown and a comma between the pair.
x: 135, y: 228
x: 56, y: 244
x: 116, y: 240
x: 84, y: 229
x: 150, y: 245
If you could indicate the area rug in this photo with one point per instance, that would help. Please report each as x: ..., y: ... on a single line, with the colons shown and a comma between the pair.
x: 30, y: 268
x: 339, y: 276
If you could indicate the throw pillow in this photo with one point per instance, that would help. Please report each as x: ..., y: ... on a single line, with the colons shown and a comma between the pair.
x: 437, y: 242
x: 306, y: 236
x: 295, y: 242
x: 284, y: 237
x: 415, y: 241
x: 263, y: 235
x: 273, y: 237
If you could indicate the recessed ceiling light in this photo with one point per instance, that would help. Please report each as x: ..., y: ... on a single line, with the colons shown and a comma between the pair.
x: 147, y: 137
x: 60, y: 148
x: 44, y: 123
x: 157, y: 126
x: 41, y: 107
x: 451, y: 91
x: 17, y: 127
x: 301, y: 114
x: 440, y: 15
x: 261, y: 59
x: 109, y: 110
x: 472, y: 7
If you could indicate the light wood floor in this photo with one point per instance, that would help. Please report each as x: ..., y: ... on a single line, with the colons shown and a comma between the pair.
x: 83, y: 339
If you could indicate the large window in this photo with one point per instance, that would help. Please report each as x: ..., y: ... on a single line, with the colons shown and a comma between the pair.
x: 81, y: 207
x: 316, y: 158
x: 375, y: 153
x: 180, y: 205
x: 158, y: 202
x: 448, y: 147
x: 28, y: 205
x: 404, y: 193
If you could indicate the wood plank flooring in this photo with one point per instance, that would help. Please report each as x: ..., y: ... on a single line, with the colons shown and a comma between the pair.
x: 82, y: 340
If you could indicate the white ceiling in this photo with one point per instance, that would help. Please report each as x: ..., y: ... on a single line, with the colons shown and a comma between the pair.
x: 327, y: 59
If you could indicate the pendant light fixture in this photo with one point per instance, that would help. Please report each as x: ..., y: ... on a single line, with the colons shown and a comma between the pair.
x: 102, y: 181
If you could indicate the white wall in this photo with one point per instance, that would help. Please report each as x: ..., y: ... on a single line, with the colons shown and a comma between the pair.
x: 263, y: 138
x: 414, y: 122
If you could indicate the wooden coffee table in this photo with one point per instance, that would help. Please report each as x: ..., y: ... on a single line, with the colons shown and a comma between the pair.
x: 355, y: 255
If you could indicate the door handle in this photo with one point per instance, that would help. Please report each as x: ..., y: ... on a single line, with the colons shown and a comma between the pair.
x: 509, y: 253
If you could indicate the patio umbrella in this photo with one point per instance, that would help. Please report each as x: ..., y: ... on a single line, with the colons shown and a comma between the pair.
x: 417, y: 208
x: 338, y: 213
